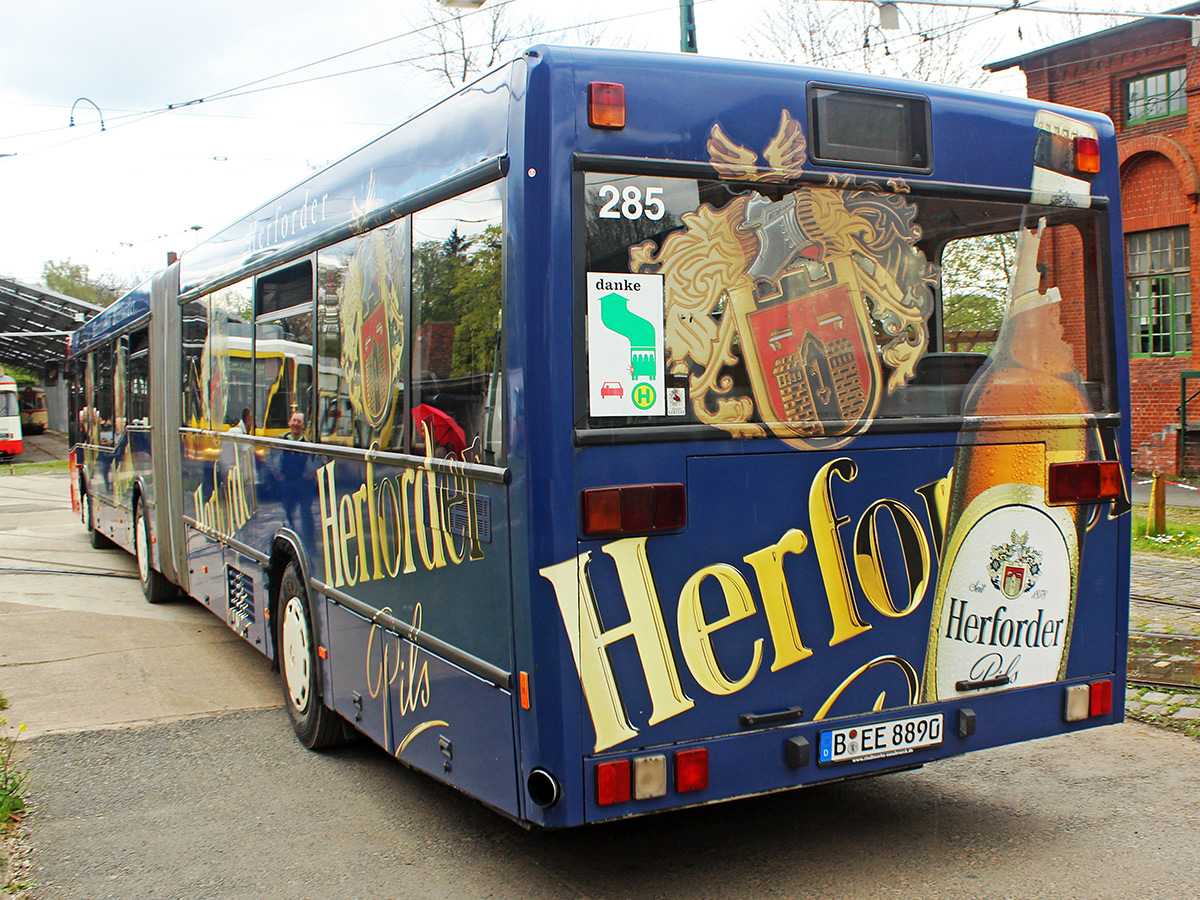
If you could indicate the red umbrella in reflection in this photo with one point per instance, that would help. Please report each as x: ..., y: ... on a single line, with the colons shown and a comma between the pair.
x: 442, y: 426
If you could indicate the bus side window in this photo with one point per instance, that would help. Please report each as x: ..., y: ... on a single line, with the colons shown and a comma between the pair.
x: 362, y: 339
x: 228, y: 371
x: 457, y: 328
x: 77, y: 400
x: 138, y: 409
x: 194, y: 317
x: 101, y: 430
x: 283, y: 350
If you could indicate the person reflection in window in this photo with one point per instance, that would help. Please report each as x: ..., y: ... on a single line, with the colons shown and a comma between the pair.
x: 243, y: 425
x: 296, y: 483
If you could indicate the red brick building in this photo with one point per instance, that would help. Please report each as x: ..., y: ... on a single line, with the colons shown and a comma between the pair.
x: 1138, y: 75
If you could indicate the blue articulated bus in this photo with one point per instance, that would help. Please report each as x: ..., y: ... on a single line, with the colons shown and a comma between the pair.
x: 630, y: 431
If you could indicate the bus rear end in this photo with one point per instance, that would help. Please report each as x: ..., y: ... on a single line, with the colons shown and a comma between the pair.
x: 10, y: 418
x: 847, y: 438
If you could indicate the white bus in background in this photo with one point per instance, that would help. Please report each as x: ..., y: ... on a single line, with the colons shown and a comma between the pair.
x: 10, y: 417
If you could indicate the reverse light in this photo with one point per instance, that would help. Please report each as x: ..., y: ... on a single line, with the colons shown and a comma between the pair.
x: 606, y: 104
x: 691, y: 770
x: 1085, y: 482
x: 634, y: 509
x: 1087, y: 155
x: 649, y: 777
x: 612, y: 782
x: 1082, y: 701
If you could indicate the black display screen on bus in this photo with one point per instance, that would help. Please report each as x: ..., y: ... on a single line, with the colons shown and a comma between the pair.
x: 869, y: 128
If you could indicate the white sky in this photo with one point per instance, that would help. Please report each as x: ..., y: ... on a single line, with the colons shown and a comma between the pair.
x: 119, y: 199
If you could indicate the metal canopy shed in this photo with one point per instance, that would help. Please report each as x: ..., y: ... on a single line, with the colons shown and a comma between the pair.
x: 34, y: 324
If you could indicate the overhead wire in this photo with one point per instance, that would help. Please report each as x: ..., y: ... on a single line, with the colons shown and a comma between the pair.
x: 248, y: 87
x: 901, y: 45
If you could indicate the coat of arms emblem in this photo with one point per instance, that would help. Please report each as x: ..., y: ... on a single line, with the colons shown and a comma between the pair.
x: 370, y: 307
x: 1014, y: 567
x: 818, y: 291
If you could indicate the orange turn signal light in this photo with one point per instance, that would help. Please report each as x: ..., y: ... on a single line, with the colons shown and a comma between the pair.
x: 606, y: 104
x: 1087, y: 155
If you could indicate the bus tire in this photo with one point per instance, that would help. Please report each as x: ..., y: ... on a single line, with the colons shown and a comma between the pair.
x: 315, y: 724
x: 156, y: 587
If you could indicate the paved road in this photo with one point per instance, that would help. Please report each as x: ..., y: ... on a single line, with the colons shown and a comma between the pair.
x: 1178, y: 493
x: 161, y: 772
x: 45, y: 447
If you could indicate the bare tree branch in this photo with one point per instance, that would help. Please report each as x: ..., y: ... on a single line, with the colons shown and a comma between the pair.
x: 928, y: 46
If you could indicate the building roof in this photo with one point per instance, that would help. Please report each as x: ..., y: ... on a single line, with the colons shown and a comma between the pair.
x: 1179, y: 13
x: 34, y: 323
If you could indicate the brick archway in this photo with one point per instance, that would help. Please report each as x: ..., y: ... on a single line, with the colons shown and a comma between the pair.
x: 1181, y: 159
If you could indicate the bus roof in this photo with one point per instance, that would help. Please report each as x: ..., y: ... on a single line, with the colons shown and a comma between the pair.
x: 116, y: 317
x: 467, y: 136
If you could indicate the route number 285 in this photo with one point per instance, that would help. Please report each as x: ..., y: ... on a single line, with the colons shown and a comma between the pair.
x: 630, y: 204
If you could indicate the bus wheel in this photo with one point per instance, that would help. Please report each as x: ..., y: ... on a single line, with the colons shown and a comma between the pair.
x: 315, y: 724
x: 95, y: 538
x: 156, y: 588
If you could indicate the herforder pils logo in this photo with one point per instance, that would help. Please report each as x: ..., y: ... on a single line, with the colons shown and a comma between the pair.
x: 1014, y: 567
x: 828, y: 291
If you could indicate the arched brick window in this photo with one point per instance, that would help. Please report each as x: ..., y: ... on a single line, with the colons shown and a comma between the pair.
x: 1157, y: 256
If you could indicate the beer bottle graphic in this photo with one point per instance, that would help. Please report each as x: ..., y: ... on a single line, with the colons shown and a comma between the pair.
x: 1005, y: 596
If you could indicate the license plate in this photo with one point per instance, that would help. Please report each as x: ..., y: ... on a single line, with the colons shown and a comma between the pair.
x: 879, y: 739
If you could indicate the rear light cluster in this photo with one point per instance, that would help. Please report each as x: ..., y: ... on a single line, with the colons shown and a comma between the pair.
x: 606, y: 105
x: 1083, y: 701
x: 1087, y: 155
x: 634, y: 509
x: 645, y: 777
x: 1085, y: 482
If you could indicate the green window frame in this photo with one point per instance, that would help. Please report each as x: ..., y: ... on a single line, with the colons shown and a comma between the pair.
x: 1158, y: 268
x: 1156, y: 96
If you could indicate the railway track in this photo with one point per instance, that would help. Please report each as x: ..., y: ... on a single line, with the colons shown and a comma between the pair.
x: 1165, y: 658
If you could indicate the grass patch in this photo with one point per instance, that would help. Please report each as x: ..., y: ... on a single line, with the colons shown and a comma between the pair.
x: 37, y: 468
x: 13, y: 780
x: 1182, y: 537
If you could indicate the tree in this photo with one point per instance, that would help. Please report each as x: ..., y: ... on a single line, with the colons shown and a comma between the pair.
x: 458, y: 48
x: 928, y: 47
x: 975, y: 274
x: 74, y: 280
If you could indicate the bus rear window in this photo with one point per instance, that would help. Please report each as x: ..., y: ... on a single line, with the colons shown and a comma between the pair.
x: 815, y: 313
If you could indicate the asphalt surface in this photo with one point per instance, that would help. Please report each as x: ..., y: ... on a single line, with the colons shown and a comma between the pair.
x: 232, y: 807
x: 162, y: 768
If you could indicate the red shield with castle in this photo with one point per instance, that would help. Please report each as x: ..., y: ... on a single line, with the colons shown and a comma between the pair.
x: 1013, y: 581
x: 810, y: 353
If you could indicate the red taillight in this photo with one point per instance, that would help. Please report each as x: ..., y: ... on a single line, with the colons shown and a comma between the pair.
x: 1100, y: 698
x: 691, y: 770
x: 634, y: 509
x: 1085, y: 482
x: 606, y: 104
x: 1087, y: 155
x: 1083, y: 701
x: 612, y: 782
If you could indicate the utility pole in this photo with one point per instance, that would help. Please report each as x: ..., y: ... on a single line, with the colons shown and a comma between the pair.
x: 687, y: 27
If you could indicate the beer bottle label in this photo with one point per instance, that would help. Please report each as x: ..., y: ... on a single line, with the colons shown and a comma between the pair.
x: 1006, y: 596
